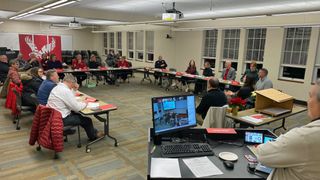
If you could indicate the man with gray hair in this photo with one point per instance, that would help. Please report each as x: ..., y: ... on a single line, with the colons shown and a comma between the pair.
x: 228, y: 73
x: 295, y: 154
x: 63, y: 100
x: 23, y: 65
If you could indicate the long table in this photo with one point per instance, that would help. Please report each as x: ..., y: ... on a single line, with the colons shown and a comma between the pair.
x: 249, y: 112
x: 98, y: 114
x: 104, y: 69
x: 179, y: 75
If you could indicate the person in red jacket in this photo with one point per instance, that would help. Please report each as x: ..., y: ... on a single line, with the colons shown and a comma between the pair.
x: 123, y: 63
x: 78, y: 63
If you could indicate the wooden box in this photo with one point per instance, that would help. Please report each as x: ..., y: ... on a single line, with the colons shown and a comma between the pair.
x: 273, y: 102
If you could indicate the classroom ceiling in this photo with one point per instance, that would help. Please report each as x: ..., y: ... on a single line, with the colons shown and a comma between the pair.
x: 118, y: 11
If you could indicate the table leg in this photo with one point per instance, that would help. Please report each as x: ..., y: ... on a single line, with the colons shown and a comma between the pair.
x: 282, y: 126
x: 106, y: 132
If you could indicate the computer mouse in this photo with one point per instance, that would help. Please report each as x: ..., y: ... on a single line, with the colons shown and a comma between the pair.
x: 228, y: 164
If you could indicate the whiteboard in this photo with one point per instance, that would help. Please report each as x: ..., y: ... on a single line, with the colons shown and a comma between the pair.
x: 11, y: 41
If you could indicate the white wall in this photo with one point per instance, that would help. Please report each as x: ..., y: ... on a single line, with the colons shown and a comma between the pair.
x: 81, y: 39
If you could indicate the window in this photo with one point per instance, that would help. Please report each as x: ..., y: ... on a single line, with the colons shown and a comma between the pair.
x: 105, y: 42
x: 295, y: 53
x: 111, y: 40
x: 231, y: 38
x: 150, y: 46
x: 256, y: 39
x: 139, y: 45
x: 119, y: 40
x: 210, y: 47
x: 130, y: 45
x: 316, y: 71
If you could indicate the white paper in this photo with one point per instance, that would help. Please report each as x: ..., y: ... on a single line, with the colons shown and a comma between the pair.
x: 202, y: 167
x: 92, y: 105
x: 251, y: 119
x: 165, y: 167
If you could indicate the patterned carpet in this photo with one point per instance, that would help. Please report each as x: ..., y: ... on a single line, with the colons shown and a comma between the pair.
x: 128, y: 124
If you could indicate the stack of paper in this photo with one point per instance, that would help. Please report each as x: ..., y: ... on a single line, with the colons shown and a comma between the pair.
x: 165, y: 168
x: 202, y: 167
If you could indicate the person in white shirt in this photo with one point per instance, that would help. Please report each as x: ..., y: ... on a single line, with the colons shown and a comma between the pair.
x: 295, y: 155
x: 63, y: 100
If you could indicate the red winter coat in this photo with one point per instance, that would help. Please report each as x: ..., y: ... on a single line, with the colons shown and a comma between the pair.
x: 47, y: 129
x: 11, y: 101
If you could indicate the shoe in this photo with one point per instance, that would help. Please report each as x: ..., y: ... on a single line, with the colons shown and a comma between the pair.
x: 187, y: 89
x: 173, y: 84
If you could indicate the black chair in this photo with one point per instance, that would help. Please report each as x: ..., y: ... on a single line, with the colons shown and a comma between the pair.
x: 20, y: 108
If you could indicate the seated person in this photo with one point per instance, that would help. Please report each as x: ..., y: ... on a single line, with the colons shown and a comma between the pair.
x: 159, y: 64
x: 246, y: 90
x: 46, y: 86
x: 13, y: 73
x: 78, y: 63
x: 63, y: 100
x: 94, y: 64
x: 215, y: 97
x: 295, y: 154
x: 31, y: 84
x: 228, y: 73
x: 264, y: 82
x: 33, y: 61
x: 207, y: 71
x: 252, y: 72
x: 123, y: 63
x: 4, y: 68
x: 23, y: 65
x: 192, y: 69
x: 54, y: 63
x: 44, y: 61
x: 111, y: 59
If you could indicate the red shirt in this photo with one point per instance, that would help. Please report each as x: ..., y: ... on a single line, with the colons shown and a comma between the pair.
x: 123, y: 64
x: 226, y: 74
x: 77, y: 65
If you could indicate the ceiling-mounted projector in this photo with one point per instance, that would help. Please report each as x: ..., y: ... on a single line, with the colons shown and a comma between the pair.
x: 172, y: 14
x: 74, y: 24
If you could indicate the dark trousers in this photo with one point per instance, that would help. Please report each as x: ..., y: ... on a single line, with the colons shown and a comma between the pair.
x: 158, y: 75
x: 123, y: 75
x: 75, y: 119
x: 81, y: 76
x: 200, y: 86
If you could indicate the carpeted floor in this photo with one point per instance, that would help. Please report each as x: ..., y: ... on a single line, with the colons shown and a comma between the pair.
x: 128, y: 124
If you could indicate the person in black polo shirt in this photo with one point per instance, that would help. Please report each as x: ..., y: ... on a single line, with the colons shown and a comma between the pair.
x: 160, y: 64
x: 207, y: 71
x: 215, y: 97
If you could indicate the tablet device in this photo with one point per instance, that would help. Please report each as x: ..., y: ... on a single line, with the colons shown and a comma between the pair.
x: 253, y: 137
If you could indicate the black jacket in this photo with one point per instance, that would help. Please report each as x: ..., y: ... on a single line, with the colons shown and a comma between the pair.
x: 245, y: 92
x: 207, y: 72
x: 94, y: 64
x: 214, y: 97
x: 159, y: 63
x: 4, y: 68
x: 31, y: 86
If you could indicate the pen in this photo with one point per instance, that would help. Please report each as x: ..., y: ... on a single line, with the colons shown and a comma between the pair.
x: 154, y: 148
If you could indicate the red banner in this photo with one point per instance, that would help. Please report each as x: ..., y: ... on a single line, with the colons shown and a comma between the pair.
x: 26, y: 45
x: 55, y: 46
x: 40, y: 44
